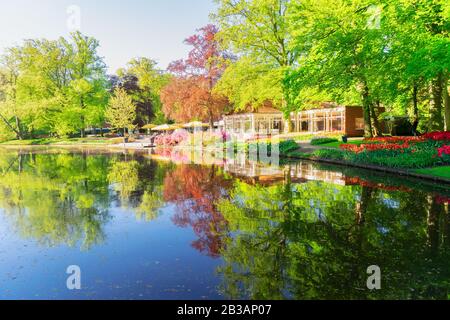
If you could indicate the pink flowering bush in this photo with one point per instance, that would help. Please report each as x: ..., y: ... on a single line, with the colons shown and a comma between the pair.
x: 159, y: 140
x: 223, y: 136
x: 171, y: 140
x: 179, y: 136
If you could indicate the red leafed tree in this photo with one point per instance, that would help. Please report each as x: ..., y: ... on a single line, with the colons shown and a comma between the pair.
x: 189, y: 95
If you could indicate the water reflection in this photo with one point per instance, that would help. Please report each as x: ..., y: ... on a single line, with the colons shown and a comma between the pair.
x: 297, y: 231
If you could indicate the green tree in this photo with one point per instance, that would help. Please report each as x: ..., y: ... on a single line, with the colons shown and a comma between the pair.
x: 339, y: 49
x: 9, y: 74
x: 143, y: 81
x: 56, y: 87
x: 392, y: 53
x: 257, y: 31
x: 88, y: 86
x: 121, y: 111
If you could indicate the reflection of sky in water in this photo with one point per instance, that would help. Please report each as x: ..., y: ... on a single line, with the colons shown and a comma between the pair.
x: 152, y: 260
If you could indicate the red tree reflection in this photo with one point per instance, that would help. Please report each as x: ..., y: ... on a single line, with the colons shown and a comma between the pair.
x: 195, y: 190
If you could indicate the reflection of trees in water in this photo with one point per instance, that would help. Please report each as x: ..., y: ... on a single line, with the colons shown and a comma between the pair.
x: 123, y: 175
x: 195, y: 190
x: 56, y: 198
x: 64, y: 198
x: 138, y: 184
x: 320, y: 245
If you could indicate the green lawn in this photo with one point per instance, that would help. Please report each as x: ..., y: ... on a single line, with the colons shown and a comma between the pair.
x: 443, y: 171
x: 55, y: 141
x: 337, y: 144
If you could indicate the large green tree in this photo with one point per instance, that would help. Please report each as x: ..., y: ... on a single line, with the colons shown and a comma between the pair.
x: 257, y: 31
x: 121, y: 111
x: 143, y: 81
x: 56, y: 87
x: 392, y: 53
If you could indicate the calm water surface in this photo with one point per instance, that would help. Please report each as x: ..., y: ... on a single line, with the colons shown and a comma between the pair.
x: 162, y: 227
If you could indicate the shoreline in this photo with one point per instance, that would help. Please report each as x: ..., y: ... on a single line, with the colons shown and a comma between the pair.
x: 136, y: 147
x: 399, y: 172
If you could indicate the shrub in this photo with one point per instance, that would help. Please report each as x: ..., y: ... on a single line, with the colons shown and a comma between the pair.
x: 406, y: 158
x: 179, y: 136
x: 173, y: 139
x: 321, y: 140
x: 288, y: 146
x: 410, y: 158
x: 332, y: 154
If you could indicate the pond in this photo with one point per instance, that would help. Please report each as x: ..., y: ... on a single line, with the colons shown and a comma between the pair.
x: 142, y: 226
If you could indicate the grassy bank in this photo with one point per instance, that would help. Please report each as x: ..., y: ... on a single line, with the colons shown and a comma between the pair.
x: 58, y: 141
x: 338, y: 144
x: 442, y: 172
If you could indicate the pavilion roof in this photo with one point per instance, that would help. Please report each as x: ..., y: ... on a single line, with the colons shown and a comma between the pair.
x: 260, y: 110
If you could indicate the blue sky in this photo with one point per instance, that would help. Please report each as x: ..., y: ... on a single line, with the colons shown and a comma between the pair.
x: 125, y: 29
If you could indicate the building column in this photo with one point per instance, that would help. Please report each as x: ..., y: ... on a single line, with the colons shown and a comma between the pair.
x: 253, y: 123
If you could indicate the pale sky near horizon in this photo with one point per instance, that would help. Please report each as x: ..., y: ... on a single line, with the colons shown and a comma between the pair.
x: 126, y: 29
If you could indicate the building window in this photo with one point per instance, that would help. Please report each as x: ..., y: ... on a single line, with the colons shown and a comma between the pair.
x: 248, y: 126
x: 336, y: 125
x: 359, y: 123
x: 304, y: 126
x: 320, y: 125
x: 277, y: 124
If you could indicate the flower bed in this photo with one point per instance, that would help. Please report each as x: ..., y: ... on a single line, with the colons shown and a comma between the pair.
x: 397, y: 152
x: 375, y: 147
x: 395, y: 139
x: 444, y: 153
x: 438, y: 136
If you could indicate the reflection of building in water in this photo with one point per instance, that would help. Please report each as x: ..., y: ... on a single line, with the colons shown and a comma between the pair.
x: 310, y: 172
x: 256, y: 172
x: 251, y: 171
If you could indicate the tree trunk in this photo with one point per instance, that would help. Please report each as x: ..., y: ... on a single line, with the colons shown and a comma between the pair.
x: 415, y: 123
x: 436, y: 122
x: 18, y: 134
x: 362, y: 205
x: 211, y: 124
x: 433, y: 213
x: 19, y: 128
x: 366, y: 112
x: 446, y: 105
x: 376, y: 128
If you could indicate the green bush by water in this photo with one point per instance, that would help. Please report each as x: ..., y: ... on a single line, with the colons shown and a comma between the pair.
x: 320, y: 141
